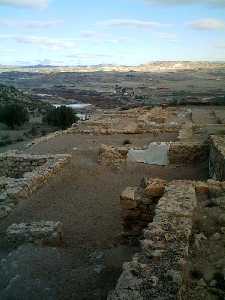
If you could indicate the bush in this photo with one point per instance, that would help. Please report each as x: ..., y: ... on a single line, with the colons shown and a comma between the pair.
x: 62, y: 117
x: 13, y: 115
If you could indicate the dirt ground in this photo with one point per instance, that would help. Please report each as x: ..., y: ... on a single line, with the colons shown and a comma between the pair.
x: 206, y: 260
x: 84, y: 196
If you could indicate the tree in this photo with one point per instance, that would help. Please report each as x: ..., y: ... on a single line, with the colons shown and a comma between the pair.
x: 13, y: 115
x: 61, y: 116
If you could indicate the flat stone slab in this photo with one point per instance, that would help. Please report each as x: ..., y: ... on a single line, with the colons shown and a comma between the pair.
x: 44, y: 232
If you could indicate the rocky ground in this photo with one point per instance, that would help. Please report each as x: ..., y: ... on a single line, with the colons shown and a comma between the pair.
x: 206, y: 259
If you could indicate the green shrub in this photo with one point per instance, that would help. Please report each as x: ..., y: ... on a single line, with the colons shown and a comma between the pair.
x: 62, y: 117
x: 13, y: 115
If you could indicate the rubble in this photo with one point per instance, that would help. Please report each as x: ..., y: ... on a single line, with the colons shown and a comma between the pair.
x: 43, y: 232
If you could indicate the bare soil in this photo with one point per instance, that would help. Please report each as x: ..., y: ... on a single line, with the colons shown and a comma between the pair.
x: 84, y: 196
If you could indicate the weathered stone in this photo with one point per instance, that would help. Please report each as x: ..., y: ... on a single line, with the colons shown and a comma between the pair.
x: 38, y: 232
x: 34, y: 169
x: 158, y: 272
x: 215, y: 188
x: 217, y: 158
x: 127, y: 198
x: 201, y: 188
x: 110, y: 155
x: 4, y: 211
x: 188, y: 152
x: 155, y: 188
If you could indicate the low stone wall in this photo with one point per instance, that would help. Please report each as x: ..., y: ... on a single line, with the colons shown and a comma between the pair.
x: 178, y: 153
x: 109, y: 155
x: 43, y: 232
x: 14, y: 189
x: 155, y: 129
x: 15, y: 165
x: 217, y: 158
x: 138, y: 205
x: 188, y: 152
x: 158, y: 272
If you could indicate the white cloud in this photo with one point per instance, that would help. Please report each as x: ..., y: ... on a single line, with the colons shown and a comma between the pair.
x: 26, y: 3
x: 133, y: 23
x: 43, y: 42
x: 207, y: 24
x: 29, y: 24
x: 187, y: 2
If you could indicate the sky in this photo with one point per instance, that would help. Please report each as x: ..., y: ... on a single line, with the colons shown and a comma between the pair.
x: 122, y: 32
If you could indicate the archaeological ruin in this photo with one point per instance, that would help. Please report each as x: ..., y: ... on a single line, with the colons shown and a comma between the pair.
x: 155, y: 179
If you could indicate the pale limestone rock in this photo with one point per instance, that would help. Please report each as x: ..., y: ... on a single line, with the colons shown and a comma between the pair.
x: 38, y: 232
x: 127, y: 198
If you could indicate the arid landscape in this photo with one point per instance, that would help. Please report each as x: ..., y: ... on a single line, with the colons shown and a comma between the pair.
x: 127, y: 204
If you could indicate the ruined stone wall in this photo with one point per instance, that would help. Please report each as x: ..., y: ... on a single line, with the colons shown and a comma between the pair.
x: 217, y: 158
x: 178, y: 153
x: 188, y: 152
x: 158, y: 272
x: 138, y: 205
x: 15, y: 165
x: 26, y: 175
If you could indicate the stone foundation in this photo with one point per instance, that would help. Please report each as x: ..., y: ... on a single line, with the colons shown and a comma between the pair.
x: 138, y: 205
x: 14, y: 165
x: 178, y: 153
x: 158, y: 272
x: 44, y: 232
x: 188, y: 152
x: 217, y: 158
x: 34, y: 171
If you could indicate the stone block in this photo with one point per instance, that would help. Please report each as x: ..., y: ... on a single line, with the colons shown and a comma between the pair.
x: 201, y: 188
x: 127, y: 198
x: 155, y: 188
x: 44, y: 232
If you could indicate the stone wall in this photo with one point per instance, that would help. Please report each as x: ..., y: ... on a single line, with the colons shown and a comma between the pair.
x: 188, y: 152
x: 217, y: 158
x: 138, y: 205
x: 158, y: 272
x: 33, y: 175
x: 178, y: 153
x: 15, y: 165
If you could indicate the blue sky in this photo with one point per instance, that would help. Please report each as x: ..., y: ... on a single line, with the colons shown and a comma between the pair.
x: 73, y: 32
